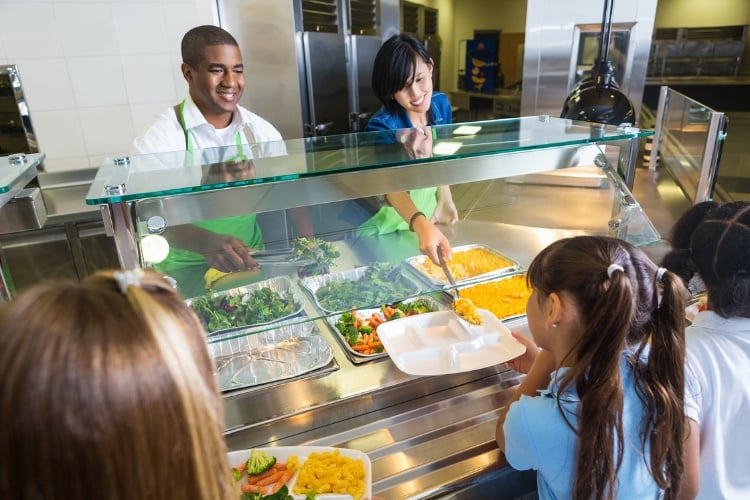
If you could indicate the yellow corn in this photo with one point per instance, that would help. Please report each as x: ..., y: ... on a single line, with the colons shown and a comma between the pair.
x: 506, y: 297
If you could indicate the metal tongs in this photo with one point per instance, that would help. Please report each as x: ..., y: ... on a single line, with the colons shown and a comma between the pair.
x: 281, y: 256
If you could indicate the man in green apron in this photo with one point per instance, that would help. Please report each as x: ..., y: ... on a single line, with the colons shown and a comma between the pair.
x: 211, y: 117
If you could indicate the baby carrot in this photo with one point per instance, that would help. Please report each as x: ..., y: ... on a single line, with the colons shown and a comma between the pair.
x: 255, y: 478
x: 286, y: 476
x: 270, y: 479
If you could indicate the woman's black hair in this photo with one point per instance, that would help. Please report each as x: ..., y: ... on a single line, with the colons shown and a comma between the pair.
x: 713, y: 240
x: 395, y: 67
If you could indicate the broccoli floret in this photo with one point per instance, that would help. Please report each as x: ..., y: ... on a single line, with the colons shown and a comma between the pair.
x: 259, y: 462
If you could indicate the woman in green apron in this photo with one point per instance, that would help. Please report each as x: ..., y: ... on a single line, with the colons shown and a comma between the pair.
x: 402, y: 81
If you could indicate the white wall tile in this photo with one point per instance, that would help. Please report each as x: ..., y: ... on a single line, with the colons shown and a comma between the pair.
x: 178, y: 19
x: 97, y: 81
x: 88, y: 29
x: 88, y: 96
x: 66, y: 164
x: 46, y: 83
x: 107, y: 130
x: 59, y: 133
x: 148, y: 78
x: 29, y: 39
x: 140, y: 28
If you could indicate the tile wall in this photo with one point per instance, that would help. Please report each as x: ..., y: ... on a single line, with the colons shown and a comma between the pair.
x: 95, y: 71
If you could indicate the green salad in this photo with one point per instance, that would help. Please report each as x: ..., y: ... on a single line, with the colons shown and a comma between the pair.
x: 232, y: 310
x: 320, y: 252
x: 381, y: 283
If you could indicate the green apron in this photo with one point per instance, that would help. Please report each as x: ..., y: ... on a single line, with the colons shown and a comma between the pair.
x: 387, y: 220
x: 243, y: 227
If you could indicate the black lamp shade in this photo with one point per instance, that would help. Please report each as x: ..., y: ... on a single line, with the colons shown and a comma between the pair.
x: 597, y: 98
x: 599, y: 104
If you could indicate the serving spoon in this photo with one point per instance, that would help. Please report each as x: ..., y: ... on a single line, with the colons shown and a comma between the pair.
x: 472, y: 321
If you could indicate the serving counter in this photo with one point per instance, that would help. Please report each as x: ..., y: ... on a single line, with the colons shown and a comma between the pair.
x: 519, y: 184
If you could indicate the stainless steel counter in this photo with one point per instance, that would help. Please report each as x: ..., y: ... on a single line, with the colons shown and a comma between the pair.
x: 427, y: 437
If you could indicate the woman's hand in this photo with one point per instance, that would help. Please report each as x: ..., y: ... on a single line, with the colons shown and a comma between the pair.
x: 430, y: 238
x: 445, y: 211
x: 522, y: 363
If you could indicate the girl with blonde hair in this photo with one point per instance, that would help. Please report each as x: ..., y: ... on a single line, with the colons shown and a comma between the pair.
x: 108, y: 392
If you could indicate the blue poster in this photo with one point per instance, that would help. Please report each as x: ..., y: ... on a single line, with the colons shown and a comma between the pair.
x: 481, y: 65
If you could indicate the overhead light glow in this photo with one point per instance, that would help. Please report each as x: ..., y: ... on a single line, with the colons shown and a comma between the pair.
x: 467, y: 130
x: 446, y: 148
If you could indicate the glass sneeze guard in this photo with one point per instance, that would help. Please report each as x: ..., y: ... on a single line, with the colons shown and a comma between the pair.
x: 507, y: 169
x: 16, y: 171
x: 172, y: 173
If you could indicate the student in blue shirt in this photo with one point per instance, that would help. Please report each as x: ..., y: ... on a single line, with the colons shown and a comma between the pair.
x: 600, y: 411
x: 402, y: 81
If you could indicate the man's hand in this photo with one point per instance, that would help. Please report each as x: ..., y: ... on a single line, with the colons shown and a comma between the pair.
x: 230, y: 255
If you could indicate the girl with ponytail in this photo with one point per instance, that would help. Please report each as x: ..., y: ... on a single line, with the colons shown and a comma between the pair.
x: 600, y: 412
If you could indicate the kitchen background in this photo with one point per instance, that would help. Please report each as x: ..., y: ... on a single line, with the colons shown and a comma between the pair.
x: 95, y: 71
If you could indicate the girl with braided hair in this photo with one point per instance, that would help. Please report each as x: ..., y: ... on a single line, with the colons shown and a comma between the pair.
x: 711, y: 241
x: 600, y: 411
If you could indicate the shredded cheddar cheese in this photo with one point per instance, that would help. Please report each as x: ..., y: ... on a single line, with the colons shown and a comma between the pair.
x: 465, y: 264
x: 505, y: 297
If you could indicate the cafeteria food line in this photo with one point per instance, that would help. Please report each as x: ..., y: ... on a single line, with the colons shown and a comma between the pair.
x: 531, y: 180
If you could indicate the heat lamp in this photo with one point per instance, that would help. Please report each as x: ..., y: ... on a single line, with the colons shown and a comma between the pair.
x: 598, y: 98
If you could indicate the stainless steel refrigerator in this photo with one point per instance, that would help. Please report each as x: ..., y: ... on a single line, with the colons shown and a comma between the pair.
x: 309, y: 62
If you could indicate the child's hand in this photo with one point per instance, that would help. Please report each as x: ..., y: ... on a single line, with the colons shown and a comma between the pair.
x: 522, y: 363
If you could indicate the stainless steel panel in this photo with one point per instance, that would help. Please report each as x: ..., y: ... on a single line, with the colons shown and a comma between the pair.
x: 16, y: 131
x: 264, y: 30
x: 325, y: 68
x: 364, y: 102
x: 26, y: 211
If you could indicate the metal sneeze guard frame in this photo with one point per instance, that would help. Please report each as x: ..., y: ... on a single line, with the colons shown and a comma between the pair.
x: 688, y: 140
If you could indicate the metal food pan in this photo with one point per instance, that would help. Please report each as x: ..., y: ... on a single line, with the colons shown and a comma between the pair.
x: 270, y: 355
x: 462, y: 291
x: 279, y: 284
x: 437, y: 277
x: 357, y: 357
x: 314, y: 283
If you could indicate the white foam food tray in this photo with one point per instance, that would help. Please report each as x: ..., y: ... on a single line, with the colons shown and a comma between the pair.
x: 282, y: 454
x: 439, y: 343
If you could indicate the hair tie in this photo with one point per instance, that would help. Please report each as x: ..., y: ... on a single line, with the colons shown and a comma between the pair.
x: 127, y: 278
x: 660, y: 273
x: 614, y: 267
